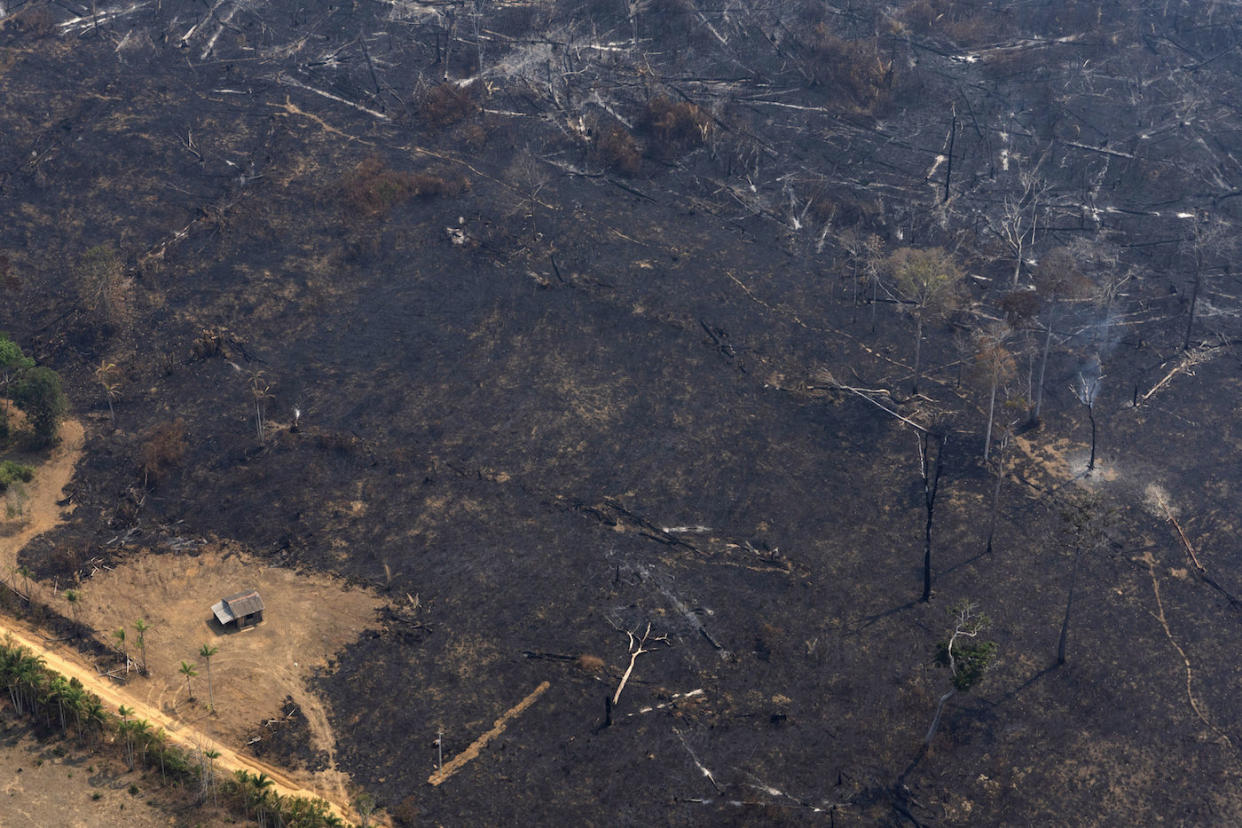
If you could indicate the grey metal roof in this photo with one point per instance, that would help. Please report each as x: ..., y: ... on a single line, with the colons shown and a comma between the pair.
x: 242, y: 604
x: 222, y: 612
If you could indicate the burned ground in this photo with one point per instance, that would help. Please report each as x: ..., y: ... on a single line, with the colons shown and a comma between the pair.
x: 551, y: 397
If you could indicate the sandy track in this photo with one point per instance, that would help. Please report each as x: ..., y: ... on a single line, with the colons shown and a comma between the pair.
x: 40, y: 512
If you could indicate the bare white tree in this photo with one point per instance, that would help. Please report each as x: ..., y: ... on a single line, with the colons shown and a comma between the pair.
x: 638, y: 645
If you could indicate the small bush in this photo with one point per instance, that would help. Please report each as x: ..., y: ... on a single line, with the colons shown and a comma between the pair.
x: 588, y: 663
x: 675, y: 127
x: 11, y: 472
x: 448, y: 104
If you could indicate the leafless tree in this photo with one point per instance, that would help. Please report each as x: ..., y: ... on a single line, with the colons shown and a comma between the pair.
x: 997, y: 364
x: 930, y: 471
x: 1208, y: 240
x: 638, y: 645
x: 1018, y: 222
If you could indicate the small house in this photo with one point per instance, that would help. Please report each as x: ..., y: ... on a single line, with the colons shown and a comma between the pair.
x: 245, y: 609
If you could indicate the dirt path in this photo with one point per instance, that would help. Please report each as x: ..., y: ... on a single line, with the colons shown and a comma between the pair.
x: 179, y: 732
x: 40, y: 512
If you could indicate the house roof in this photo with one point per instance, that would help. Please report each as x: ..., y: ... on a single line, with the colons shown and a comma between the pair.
x: 222, y: 612
x: 242, y: 604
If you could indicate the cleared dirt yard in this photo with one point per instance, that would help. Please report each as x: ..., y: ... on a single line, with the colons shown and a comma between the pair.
x: 308, y: 618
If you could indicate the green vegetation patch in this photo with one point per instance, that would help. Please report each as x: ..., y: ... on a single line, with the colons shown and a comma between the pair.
x: 11, y: 472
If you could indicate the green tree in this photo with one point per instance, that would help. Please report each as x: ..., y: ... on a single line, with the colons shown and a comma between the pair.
x: 141, y: 627
x: 206, y: 652
x: 119, y: 635
x: 74, y: 598
x: 187, y: 670
x: 39, y: 394
x: 930, y: 282
x: 13, y: 363
x: 364, y: 804
x: 964, y: 654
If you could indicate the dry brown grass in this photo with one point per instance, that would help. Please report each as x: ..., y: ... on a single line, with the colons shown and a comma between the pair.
x: 448, y: 103
x: 675, y: 127
x: 373, y: 188
x: 618, y: 150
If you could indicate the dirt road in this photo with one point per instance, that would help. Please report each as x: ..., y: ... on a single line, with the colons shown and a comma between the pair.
x: 68, y: 665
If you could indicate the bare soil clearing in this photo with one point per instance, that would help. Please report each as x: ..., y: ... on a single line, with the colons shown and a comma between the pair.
x: 308, y: 618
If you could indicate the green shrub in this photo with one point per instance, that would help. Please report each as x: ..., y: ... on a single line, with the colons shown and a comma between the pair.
x: 11, y: 472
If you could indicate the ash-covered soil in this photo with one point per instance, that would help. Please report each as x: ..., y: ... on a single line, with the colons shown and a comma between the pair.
x: 557, y: 351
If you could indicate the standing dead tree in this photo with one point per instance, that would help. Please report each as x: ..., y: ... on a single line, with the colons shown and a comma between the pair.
x: 1057, y: 277
x: 1085, y: 389
x: 639, y: 645
x: 997, y: 365
x: 1019, y: 219
x: 998, y: 468
x: 930, y: 471
x: 1086, y: 520
x: 1208, y: 240
x: 260, y: 391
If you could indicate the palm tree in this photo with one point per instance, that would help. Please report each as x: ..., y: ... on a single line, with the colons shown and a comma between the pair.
x: 187, y: 670
x: 105, y: 375
x: 206, y: 652
x: 94, y: 717
x: 29, y: 678
x: 119, y: 635
x: 262, y: 786
x: 256, y: 793
x: 25, y: 573
x: 141, y: 627
x: 140, y: 733
x: 126, y: 729
x: 73, y: 597
x: 212, y: 755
